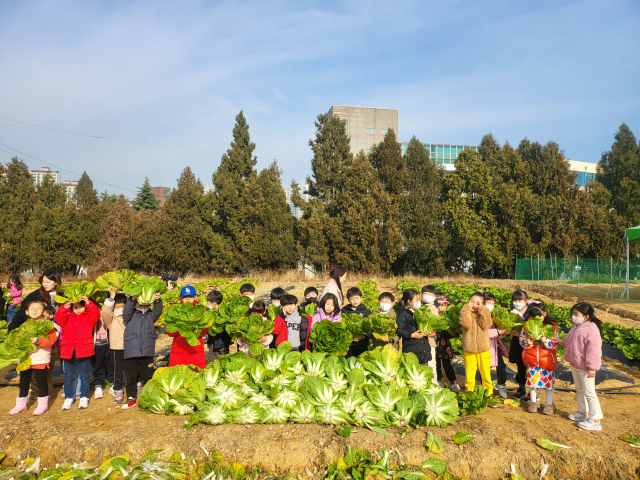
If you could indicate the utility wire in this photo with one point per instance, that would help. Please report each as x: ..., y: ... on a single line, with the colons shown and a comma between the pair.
x: 56, y: 166
x: 44, y: 128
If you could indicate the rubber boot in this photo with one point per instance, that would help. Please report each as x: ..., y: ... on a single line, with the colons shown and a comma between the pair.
x: 43, y: 406
x: 532, y: 407
x: 21, y: 406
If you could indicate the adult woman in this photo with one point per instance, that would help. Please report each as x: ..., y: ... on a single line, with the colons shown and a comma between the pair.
x: 49, y: 283
x: 338, y: 276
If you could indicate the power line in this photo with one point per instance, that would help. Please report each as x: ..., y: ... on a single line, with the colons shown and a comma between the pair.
x: 56, y: 166
x: 44, y: 128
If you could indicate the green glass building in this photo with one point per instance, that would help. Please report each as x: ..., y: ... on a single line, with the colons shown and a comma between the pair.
x: 442, y: 153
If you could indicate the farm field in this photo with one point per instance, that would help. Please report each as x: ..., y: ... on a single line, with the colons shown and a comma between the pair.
x: 504, y: 435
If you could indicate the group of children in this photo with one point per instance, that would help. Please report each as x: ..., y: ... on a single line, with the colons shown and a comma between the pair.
x: 120, y: 339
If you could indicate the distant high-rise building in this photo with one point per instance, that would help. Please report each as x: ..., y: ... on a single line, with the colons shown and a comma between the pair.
x: 38, y: 175
x: 366, y: 126
x: 443, y: 154
x: 161, y: 193
x: 586, y: 172
x: 295, y: 211
x: 70, y: 187
x: 207, y: 188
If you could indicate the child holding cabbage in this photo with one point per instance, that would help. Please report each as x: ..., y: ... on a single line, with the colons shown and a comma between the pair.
x: 539, y: 340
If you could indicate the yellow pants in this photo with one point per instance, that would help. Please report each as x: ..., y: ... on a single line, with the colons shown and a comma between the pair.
x: 474, y: 361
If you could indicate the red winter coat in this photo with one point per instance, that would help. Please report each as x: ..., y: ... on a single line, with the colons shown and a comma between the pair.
x: 280, y: 331
x: 77, y: 331
x: 184, y: 354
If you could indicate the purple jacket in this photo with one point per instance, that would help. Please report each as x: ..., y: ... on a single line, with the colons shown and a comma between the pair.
x: 497, y: 347
x: 583, y: 347
x: 320, y: 315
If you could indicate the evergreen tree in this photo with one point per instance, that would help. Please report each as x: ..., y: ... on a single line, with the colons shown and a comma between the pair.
x: 51, y: 193
x: 270, y: 243
x: 115, y: 231
x: 619, y: 173
x: 425, y: 239
x: 468, y: 211
x: 184, y: 234
x: 86, y: 196
x: 331, y: 155
x: 366, y: 232
x: 108, y: 197
x: 312, y: 239
x: 18, y: 197
x: 146, y: 199
x: 386, y: 157
x: 232, y: 211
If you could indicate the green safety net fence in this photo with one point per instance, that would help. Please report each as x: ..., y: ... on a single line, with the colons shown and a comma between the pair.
x: 599, y: 279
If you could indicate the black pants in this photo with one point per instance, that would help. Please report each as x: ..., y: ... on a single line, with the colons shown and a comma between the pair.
x: 41, y: 379
x: 102, y: 364
x: 448, y: 369
x: 117, y: 362
x: 501, y: 370
x: 521, y: 376
x: 133, y: 367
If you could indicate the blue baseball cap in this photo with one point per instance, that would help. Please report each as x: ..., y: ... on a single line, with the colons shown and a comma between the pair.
x: 187, y: 291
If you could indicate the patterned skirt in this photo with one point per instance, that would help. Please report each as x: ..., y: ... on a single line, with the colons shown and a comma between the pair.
x: 540, y: 378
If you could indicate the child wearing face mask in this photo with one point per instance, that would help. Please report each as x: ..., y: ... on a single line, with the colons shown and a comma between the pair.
x: 111, y: 315
x: 248, y: 290
x: 428, y: 298
x: 444, y: 351
x: 76, y: 346
x: 310, y: 296
x: 385, y: 306
x: 475, y: 320
x: 583, y: 351
x: 276, y: 294
x: 413, y: 340
x: 540, y: 360
x: 102, y: 362
x: 139, y: 344
x: 519, y: 306
x: 498, y: 348
x: 259, y: 308
x: 219, y: 344
x: 40, y: 360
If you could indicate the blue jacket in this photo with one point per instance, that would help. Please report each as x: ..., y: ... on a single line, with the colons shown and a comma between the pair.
x: 140, y: 330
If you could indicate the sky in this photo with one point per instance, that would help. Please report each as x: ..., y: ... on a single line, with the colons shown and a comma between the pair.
x: 177, y: 73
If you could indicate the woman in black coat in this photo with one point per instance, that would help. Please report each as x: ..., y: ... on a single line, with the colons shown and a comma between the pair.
x: 413, y: 340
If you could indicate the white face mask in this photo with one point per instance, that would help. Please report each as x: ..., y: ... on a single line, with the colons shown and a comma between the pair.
x: 143, y: 310
x: 385, y: 307
x: 427, y: 298
x: 519, y: 305
x: 275, y: 304
x: 577, y: 320
x: 491, y: 307
x: 118, y: 311
x: 417, y: 305
x: 252, y: 297
x: 209, y: 307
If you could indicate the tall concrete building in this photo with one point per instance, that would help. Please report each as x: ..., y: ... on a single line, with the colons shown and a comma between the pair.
x: 70, y: 187
x: 366, y: 126
x: 161, y: 193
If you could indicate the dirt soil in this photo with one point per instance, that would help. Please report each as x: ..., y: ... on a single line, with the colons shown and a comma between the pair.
x: 504, y: 435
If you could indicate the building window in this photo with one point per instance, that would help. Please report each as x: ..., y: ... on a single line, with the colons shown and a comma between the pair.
x: 370, y: 131
x: 166, y: 193
x: 368, y: 152
x: 385, y: 131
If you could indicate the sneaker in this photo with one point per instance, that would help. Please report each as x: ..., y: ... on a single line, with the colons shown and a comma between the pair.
x: 76, y: 397
x: 578, y: 417
x: 111, y: 390
x: 589, y: 424
x: 118, y: 396
x: 139, y: 388
x: 455, y: 388
x: 84, y: 403
x: 502, y: 391
x: 520, y: 394
x: 62, y: 394
x: 130, y: 403
x: 68, y: 402
x: 98, y: 393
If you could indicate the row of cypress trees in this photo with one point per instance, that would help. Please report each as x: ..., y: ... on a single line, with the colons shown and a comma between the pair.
x: 382, y: 212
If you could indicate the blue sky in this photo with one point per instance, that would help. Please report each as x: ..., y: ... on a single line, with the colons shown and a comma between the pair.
x: 177, y: 73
